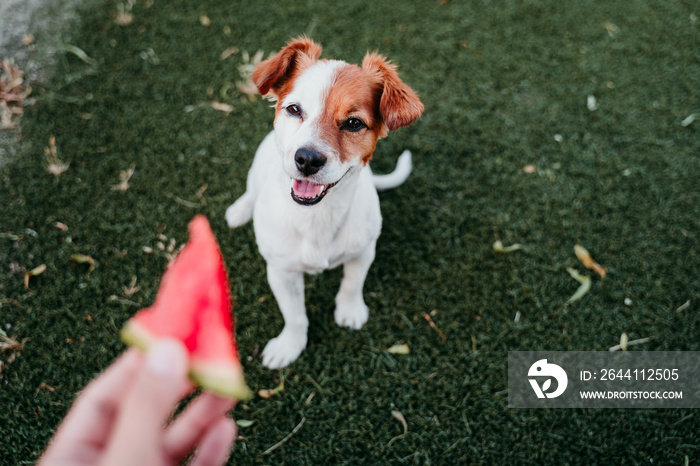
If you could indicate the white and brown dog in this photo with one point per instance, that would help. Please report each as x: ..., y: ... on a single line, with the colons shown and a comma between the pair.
x: 310, y: 192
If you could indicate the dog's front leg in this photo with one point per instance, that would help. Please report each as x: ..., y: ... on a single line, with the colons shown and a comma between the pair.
x: 288, y: 288
x: 350, y: 308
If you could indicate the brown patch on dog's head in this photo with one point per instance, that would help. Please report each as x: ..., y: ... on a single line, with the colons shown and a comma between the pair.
x: 274, y: 76
x: 353, y: 96
x: 374, y: 94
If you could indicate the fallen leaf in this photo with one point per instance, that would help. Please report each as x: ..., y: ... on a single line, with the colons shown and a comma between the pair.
x: 33, y: 273
x: 498, y: 247
x: 623, y: 341
x: 7, y: 343
x: 585, y: 257
x: 243, y: 423
x: 228, y: 52
x: 585, y: 282
x: 399, y: 349
x: 204, y: 20
x: 124, y: 16
x: 612, y: 29
x: 399, y: 417
x: 84, y: 259
x: 80, y: 53
x: 592, y: 103
x: 132, y: 287
x: 269, y: 392
x: 529, y: 169
x: 246, y: 85
x: 689, y: 119
x: 55, y: 166
x: 13, y: 92
x: 124, y: 177
x: 44, y: 386
x: 222, y: 107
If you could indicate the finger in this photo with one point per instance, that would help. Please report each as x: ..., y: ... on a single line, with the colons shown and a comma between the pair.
x: 189, y: 427
x: 90, y: 419
x: 160, y: 384
x: 217, y: 444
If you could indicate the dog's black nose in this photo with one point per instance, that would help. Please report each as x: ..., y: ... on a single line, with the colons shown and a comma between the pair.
x: 309, y: 161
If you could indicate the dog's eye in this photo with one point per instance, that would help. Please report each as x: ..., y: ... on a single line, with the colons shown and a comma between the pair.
x: 354, y: 124
x: 294, y: 110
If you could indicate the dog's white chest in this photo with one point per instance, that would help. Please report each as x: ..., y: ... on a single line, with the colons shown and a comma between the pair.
x: 312, y: 243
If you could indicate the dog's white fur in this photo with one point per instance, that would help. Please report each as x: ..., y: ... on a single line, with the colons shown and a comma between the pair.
x: 343, y: 227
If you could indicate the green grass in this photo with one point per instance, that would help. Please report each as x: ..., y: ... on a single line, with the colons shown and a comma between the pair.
x: 499, y: 80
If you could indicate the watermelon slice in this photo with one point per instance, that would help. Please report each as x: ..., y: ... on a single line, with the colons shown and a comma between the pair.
x: 194, y: 305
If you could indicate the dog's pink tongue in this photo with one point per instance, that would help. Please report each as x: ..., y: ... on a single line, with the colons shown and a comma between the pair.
x: 306, y: 188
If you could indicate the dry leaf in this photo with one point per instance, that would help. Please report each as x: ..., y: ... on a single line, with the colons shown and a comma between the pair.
x: 399, y: 349
x: 399, y: 417
x: 124, y: 177
x: 222, y: 107
x: 269, y: 392
x: 7, y: 343
x: 611, y: 28
x: 585, y: 282
x: 529, y: 169
x: 689, y: 119
x: 124, y: 16
x: 228, y: 52
x: 13, y: 92
x: 585, y: 257
x: 33, y: 273
x: 132, y: 287
x: 623, y: 341
x: 84, y: 259
x: 44, y: 386
x: 204, y: 20
x: 243, y: 423
x: 592, y: 103
x: 246, y: 85
x: 498, y: 247
x: 55, y: 166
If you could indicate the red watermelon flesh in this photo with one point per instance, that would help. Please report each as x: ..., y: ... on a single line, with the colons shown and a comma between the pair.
x: 194, y: 305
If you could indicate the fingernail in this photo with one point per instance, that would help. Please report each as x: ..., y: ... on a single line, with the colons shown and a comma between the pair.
x: 167, y: 358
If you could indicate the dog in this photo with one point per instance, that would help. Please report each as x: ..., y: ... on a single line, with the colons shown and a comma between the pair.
x: 310, y: 192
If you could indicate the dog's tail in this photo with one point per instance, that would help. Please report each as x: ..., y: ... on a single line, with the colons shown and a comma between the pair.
x: 398, y: 176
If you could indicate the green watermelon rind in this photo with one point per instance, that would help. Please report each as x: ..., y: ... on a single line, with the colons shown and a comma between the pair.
x: 223, y: 379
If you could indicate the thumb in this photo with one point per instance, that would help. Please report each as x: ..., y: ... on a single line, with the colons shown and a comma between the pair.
x: 158, y: 387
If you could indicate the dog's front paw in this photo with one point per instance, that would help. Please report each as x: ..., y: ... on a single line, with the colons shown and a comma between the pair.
x: 283, y: 350
x: 353, y: 315
x: 240, y: 212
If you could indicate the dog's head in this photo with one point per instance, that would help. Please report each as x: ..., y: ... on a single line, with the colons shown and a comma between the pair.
x: 329, y: 114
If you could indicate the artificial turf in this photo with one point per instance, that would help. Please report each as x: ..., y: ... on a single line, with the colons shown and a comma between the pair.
x: 594, y: 98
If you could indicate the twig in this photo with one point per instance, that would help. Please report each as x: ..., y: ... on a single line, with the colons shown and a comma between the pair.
x: 281, y: 442
x: 435, y: 327
x: 399, y: 417
x: 629, y: 343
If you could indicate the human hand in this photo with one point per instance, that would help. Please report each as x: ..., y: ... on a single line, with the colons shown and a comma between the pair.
x: 120, y: 417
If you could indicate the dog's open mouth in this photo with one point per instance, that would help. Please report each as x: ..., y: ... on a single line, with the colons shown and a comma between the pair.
x: 305, y: 192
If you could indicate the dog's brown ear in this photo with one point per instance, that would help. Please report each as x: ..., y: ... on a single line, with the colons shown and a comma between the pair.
x: 271, y: 75
x: 399, y: 105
